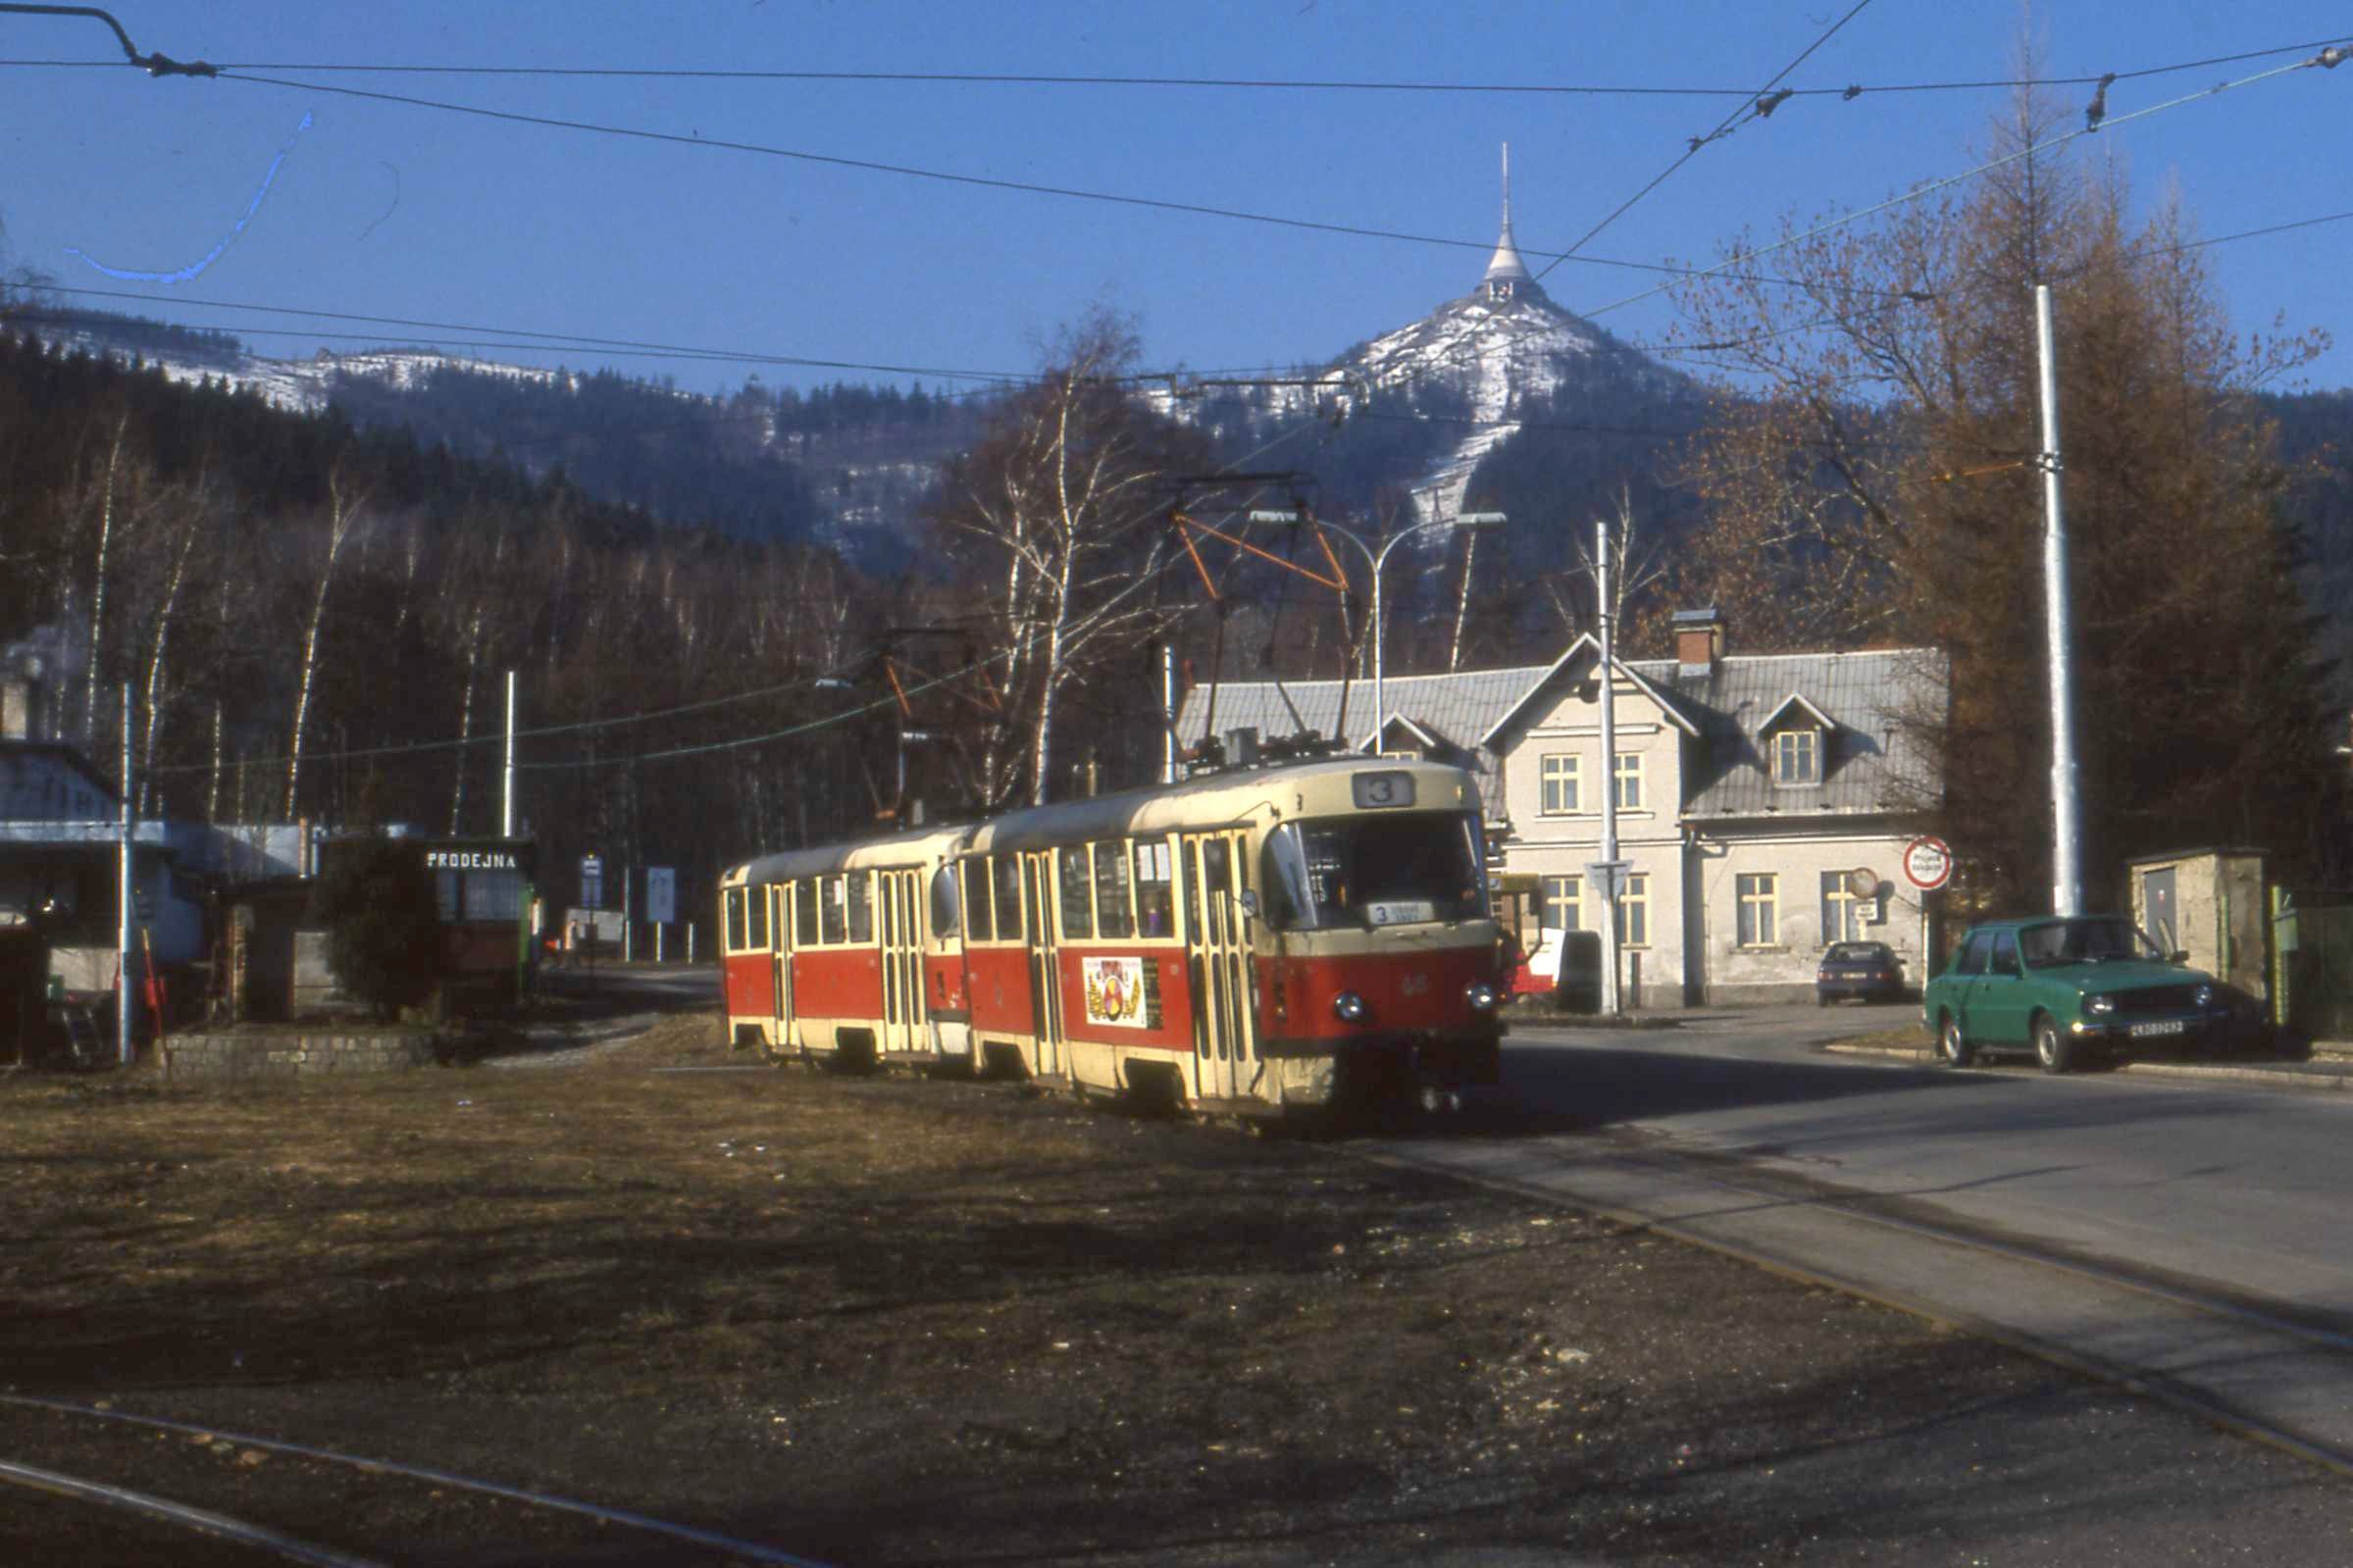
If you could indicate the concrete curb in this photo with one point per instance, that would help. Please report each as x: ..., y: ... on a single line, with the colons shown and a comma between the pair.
x: 2283, y: 1076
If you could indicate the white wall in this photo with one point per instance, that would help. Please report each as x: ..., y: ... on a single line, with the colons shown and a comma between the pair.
x: 1797, y: 858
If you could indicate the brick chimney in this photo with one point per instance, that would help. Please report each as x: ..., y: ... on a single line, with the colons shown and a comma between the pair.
x: 1699, y: 642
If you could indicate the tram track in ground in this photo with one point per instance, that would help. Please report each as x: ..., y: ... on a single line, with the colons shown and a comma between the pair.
x: 2252, y: 1367
x: 150, y: 1508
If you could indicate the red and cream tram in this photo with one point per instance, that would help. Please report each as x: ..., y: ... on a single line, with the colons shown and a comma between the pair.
x: 1245, y: 941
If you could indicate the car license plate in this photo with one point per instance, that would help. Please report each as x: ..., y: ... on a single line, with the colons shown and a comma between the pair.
x: 2162, y: 1026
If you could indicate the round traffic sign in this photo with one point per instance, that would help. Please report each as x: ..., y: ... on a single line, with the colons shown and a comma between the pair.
x: 1927, y: 863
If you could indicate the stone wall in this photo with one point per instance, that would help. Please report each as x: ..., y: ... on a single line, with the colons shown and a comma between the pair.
x: 286, y: 1053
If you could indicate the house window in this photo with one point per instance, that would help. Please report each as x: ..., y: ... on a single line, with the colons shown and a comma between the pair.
x: 1759, y: 897
x: 1560, y: 792
x: 1634, y: 910
x: 1563, y: 907
x: 1629, y: 780
x: 1843, y: 913
x: 1798, y: 757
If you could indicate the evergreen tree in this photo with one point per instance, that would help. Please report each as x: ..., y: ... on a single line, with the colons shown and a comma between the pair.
x: 1888, y: 487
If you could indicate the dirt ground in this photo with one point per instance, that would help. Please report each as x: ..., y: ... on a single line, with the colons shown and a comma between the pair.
x: 909, y: 1320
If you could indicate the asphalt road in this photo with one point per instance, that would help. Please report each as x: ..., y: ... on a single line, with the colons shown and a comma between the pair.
x: 2189, y: 1237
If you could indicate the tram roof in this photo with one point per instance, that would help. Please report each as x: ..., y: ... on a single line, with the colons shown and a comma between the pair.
x: 1225, y: 798
x: 1208, y: 800
x: 919, y: 848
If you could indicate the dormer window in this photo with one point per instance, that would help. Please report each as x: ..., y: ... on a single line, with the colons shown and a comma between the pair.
x: 1798, y: 757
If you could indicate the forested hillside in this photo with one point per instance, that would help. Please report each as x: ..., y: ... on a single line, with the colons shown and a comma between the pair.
x: 314, y: 622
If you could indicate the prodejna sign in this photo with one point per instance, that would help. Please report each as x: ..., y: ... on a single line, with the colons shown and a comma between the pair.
x: 469, y: 860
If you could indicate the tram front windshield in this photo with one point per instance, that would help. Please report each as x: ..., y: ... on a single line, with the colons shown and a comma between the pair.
x: 1375, y: 870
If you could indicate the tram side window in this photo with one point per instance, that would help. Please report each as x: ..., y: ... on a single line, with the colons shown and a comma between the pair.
x: 829, y: 910
x: 944, y: 901
x: 1193, y: 881
x: 980, y: 922
x: 1078, y: 918
x: 1112, y: 913
x: 734, y: 920
x: 1004, y: 873
x: 756, y: 902
x: 804, y: 913
x: 1156, y: 905
x: 861, y: 906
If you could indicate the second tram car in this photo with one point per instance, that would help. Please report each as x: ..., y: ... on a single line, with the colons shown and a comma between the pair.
x: 1246, y: 941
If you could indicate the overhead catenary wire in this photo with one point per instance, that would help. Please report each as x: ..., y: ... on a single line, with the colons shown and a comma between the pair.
x: 1845, y: 92
x: 531, y: 338
x: 2328, y: 58
x: 1452, y: 353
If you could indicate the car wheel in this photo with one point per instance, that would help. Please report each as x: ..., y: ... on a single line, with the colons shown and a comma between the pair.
x: 2053, y: 1048
x: 1822, y: 999
x: 1952, y: 1046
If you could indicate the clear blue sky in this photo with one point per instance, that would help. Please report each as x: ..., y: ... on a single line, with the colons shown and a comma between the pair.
x: 391, y: 210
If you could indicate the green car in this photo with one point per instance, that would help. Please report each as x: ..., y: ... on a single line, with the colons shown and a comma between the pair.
x: 2070, y: 987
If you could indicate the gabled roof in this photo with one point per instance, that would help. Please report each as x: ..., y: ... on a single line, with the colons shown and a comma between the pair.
x: 1427, y: 737
x: 1465, y: 703
x: 1883, y: 704
x: 1585, y: 647
x: 1796, y: 699
x: 1879, y: 703
x: 69, y: 756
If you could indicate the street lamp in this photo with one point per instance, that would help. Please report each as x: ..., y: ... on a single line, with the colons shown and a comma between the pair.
x: 1374, y: 560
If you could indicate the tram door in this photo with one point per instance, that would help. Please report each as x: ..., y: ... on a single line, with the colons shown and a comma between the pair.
x: 1217, y: 956
x: 902, y: 964
x: 1045, y: 991
x: 780, y: 920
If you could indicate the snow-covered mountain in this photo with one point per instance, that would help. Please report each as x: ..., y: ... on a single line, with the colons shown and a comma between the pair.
x: 1492, y: 359
x: 1504, y: 347
x: 305, y: 386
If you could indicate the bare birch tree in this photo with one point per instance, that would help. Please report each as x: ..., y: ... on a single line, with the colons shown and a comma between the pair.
x: 346, y: 510
x: 1059, y: 510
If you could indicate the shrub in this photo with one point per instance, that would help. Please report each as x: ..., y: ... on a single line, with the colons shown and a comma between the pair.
x: 383, y: 925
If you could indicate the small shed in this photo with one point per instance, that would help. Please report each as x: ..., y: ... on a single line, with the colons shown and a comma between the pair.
x: 2209, y: 904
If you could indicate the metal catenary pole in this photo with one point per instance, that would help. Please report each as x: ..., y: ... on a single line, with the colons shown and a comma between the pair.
x: 2067, y: 825
x: 506, y: 812
x: 125, y: 894
x: 1169, y: 714
x: 1608, y: 780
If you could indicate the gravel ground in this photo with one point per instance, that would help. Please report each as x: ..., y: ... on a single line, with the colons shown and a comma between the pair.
x: 912, y: 1322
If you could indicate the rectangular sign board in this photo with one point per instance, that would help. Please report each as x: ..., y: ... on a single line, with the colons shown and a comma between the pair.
x: 661, y: 894
x: 591, y: 882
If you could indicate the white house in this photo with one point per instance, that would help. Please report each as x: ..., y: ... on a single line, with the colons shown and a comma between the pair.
x: 1763, y: 801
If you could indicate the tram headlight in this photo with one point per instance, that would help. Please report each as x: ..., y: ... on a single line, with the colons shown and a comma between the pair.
x: 1481, y: 996
x: 1350, y: 1008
